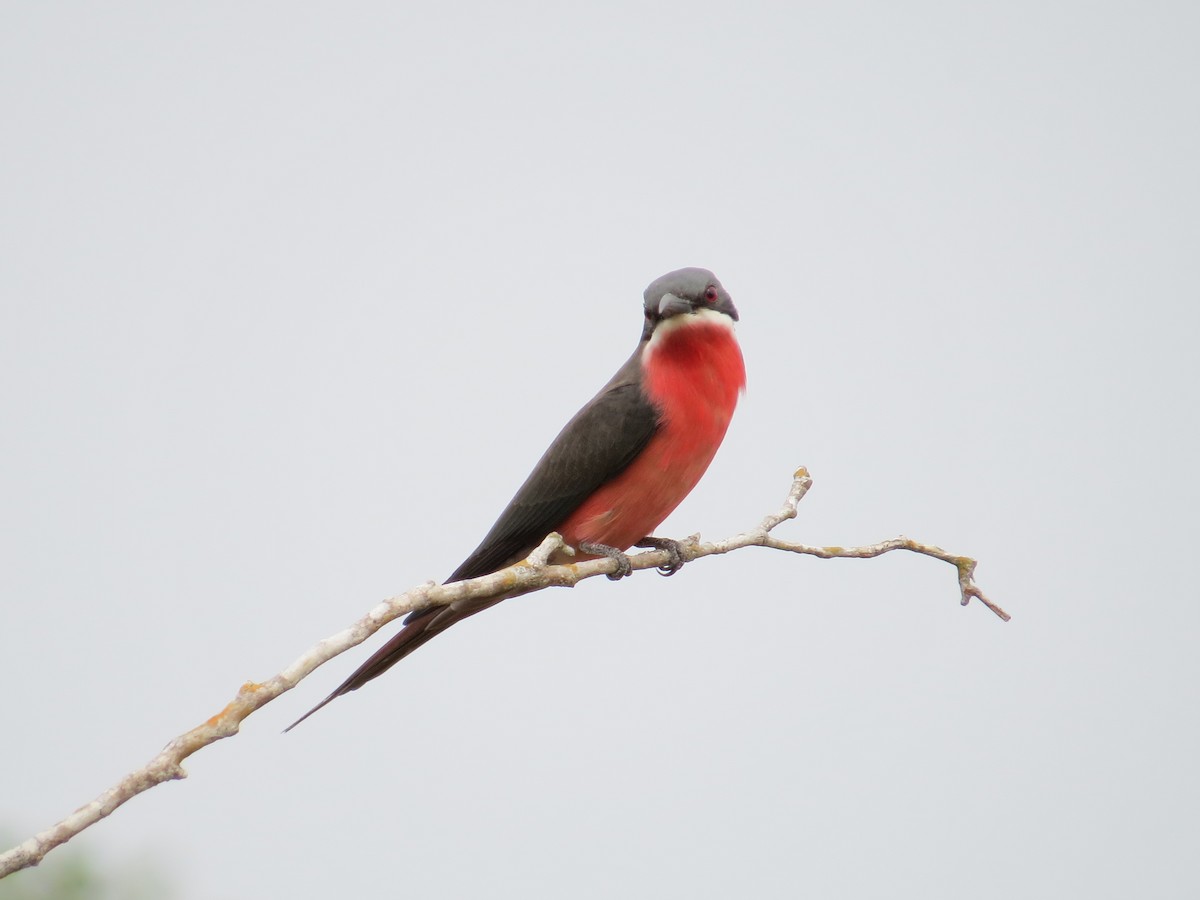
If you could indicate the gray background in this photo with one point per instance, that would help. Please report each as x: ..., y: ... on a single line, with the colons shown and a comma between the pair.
x: 294, y: 295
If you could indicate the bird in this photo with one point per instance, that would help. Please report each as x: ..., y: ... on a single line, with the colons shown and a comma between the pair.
x: 621, y: 465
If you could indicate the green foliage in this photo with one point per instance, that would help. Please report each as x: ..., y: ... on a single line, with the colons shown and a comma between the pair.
x: 69, y: 873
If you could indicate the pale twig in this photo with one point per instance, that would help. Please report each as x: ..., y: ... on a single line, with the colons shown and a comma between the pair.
x: 762, y: 537
x: 522, y: 578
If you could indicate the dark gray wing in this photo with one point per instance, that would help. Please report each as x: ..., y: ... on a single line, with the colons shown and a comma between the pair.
x: 597, y: 444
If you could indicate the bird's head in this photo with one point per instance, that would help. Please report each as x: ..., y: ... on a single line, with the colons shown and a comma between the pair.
x: 685, y: 294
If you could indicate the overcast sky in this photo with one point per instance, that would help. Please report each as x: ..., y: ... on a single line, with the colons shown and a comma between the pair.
x: 292, y: 296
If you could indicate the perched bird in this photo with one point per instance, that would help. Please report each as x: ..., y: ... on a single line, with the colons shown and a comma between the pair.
x: 622, y: 464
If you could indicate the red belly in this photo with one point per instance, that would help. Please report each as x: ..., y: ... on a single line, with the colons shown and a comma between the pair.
x: 694, y: 378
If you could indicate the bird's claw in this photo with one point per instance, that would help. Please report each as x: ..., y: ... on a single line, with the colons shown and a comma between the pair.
x: 624, y: 567
x: 675, y: 559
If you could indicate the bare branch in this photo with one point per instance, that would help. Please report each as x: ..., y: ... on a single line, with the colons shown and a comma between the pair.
x: 531, y: 575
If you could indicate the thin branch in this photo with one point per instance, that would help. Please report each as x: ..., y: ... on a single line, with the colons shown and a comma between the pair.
x: 762, y: 537
x: 531, y: 575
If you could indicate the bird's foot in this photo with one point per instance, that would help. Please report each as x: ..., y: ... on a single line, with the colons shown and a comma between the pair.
x: 674, y: 562
x: 623, y: 565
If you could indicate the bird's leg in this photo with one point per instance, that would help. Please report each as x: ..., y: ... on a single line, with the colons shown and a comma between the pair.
x: 623, y: 566
x: 674, y: 563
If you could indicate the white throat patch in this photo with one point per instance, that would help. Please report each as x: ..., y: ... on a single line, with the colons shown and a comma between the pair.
x: 687, y: 320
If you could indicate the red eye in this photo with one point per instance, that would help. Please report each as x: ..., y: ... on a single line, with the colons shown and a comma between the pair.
x: 710, y: 294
